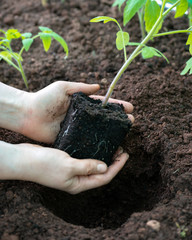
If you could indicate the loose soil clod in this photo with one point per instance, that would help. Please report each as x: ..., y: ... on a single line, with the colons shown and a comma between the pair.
x: 90, y: 130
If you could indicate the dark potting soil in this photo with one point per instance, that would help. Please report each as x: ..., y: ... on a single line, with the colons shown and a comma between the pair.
x: 90, y: 130
x: 155, y: 183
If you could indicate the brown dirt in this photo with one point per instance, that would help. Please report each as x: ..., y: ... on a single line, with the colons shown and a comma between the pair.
x: 156, y: 182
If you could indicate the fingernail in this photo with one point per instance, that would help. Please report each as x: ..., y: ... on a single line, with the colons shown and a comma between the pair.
x: 127, y: 155
x: 120, y: 150
x: 101, y: 168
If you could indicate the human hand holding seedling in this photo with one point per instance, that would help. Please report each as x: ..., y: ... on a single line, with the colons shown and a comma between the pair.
x: 47, y: 108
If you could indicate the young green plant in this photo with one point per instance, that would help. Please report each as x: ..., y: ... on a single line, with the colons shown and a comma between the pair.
x: 154, y: 17
x: 15, y: 58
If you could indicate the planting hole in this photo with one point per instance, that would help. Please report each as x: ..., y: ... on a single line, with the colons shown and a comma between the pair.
x: 137, y: 188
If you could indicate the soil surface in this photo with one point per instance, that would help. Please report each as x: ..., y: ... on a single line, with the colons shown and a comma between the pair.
x: 90, y: 130
x: 156, y: 183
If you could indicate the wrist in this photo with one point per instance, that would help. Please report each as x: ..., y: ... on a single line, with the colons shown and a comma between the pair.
x: 13, y: 109
x: 9, y: 161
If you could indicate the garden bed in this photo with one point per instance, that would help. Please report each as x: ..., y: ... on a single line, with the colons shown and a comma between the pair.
x: 155, y: 183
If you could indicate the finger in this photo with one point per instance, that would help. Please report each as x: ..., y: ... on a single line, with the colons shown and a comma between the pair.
x: 127, y: 106
x: 130, y: 116
x: 98, y: 180
x: 88, y: 167
x: 88, y: 89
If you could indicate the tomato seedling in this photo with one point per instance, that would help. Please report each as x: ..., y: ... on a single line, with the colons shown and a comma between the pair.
x: 15, y: 58
x: 154, y: 16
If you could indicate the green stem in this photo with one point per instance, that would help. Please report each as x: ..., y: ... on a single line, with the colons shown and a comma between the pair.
x: 172, y: 32
x: 124, y: 48
x: 190, y: 16
x: 141, y: 22
x: 22, y: 73
x: 134, y: 54
x: 169, y: 9
x: 162, y: 7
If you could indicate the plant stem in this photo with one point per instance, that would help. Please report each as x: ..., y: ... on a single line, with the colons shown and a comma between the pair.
x: 190, y: 16
x: 172, y: 32
x: 136, y: 51
x: 22, y: 73
x: 141, y: 22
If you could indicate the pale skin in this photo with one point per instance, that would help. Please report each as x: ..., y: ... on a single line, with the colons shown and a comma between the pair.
x: 38, y: 116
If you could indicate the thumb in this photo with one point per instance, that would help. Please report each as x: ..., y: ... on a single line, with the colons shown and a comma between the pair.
x: 85, y: 167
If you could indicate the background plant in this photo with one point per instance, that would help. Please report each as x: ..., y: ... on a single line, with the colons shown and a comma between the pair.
x: 154, y: 16
x: 15, y: 58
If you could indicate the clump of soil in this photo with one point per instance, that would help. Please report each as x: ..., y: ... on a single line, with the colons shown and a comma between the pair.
x: 91, y: 130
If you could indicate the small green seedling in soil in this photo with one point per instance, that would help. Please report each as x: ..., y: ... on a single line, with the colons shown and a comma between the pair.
x: 154, y: 16
x: 15, y: 58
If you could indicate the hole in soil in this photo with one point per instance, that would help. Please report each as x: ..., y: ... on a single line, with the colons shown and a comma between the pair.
x: 137, y: 188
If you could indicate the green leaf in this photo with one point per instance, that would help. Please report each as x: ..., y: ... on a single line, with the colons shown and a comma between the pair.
x: 152, y: 12
x: 189, y: 40
x: 26, y: 35
x: 59, y: 39
x: 188, y: 67
x: 45, y: 29
x: 5, y: 42
x: 103, y: 19
x: 122, y: 40
x: 181, y: 8
x: 12, y: 34
x: 149, y: 52
x: 46, y: 39
x: 118, y: 3
x: 27, y: 43
x: 162, y: 55
x: 131, y: 8
x: 6, y: 56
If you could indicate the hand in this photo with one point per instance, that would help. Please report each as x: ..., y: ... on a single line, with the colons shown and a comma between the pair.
x: 56, y: 169
x: 47, y: 108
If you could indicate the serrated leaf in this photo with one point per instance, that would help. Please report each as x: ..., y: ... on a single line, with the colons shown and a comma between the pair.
x: 26, y: 35
x: 149, y: 52
x: 59, y: 39
x: 187, y: 67
x: 122, y: 39
x: 131, y: 8
x: 181, y: 8
x: 46, y: 39
x: 118, y: 3
x: 12, y: 34
x: 27, y: 43
x: 104, y: 19
x: 152, y: 12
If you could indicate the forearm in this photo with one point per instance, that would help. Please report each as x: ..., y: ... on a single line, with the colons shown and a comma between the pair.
x: 12, y: 102
x: 8, y: 161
